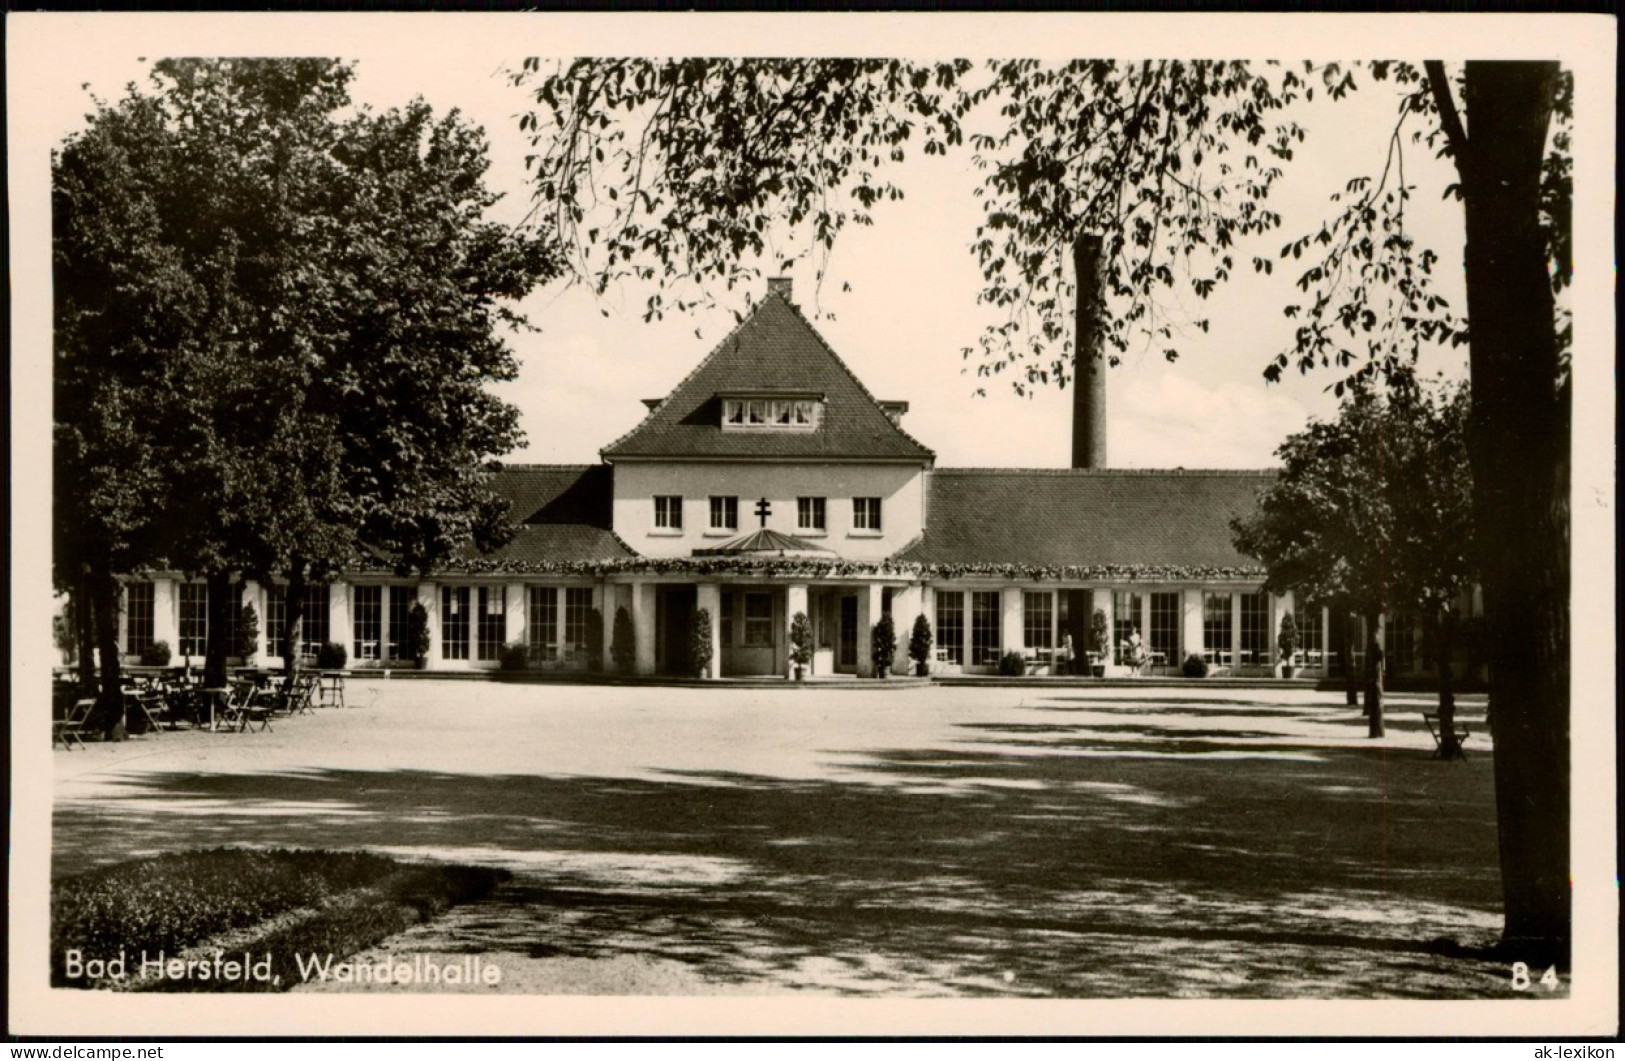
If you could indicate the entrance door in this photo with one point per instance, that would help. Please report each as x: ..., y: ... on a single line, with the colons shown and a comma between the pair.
x: 847, y: 654
x: 676, y: 632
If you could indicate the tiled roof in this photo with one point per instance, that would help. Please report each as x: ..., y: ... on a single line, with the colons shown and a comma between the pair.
x: 1153, y: 519
x: 564, y: 511
x: 775, y: 349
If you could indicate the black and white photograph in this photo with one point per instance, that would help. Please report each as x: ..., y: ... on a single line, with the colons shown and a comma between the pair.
x: 839, y: 524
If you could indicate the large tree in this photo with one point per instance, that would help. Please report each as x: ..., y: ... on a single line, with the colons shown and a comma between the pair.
x: 672, y: 171
x: 307, y: 302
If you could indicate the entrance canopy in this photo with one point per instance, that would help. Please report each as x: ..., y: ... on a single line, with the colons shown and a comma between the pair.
x: 767, y: 543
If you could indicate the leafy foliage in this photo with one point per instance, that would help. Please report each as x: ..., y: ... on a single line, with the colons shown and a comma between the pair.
x: 700, y: 635
x: 621, y: 646
x: 332, y: 656
x: 1012, y: 665
x: 919, y: 643
x: 801, y: 640
x: 515, y: 656
x: 1287, y: 639
x: 883, y: 644
x: 248, y: 633
x: 416, y: 641
x: 156, y: 654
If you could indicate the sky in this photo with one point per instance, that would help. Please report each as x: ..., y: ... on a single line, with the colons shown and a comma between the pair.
x: 898, y: 300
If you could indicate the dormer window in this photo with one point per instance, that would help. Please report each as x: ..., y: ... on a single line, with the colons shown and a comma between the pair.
x: 792, y: 413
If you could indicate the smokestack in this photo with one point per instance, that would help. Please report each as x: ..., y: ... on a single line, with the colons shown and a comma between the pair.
x: 1089, y: 369
x: 780, y: 285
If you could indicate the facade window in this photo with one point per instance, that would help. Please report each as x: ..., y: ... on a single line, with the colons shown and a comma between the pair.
x: 669, y: 512
x: 810, y: 513
x: 194, y: 619
x: 1165, y: 626
x: 138, y: 617
x: 577, y: 605
x: 368, y: 622
x: 493, y: 629
x: 759, y: 619
x: 276, y: 616
x: 984, y: 627
x: 454, y: 622
x: 1125, y: 620
x: 1255, y: 627
x: 725, y: 513
x: 1038, y: 619
x: 1216, y: 624
x: 1399, y: 643
x: 951, y: 625
x: 542, y: 629
x: 1311, y: 633
x: 866, y: 514
x: 401, y: 599
x: 314, y: 628
x: 769, y: 414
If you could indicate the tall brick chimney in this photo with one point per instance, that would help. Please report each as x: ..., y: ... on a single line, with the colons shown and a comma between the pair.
x: 780, y: 285
x: 1089, y: 375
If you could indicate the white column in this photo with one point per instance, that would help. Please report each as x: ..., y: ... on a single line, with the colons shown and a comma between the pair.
x: 795, y: 601
x: 709, y: 597
x: 517, y: 613
x: 1235, y: 631
x: 1012, y: 637
x: 429, y: 597
x: 165, y: 624
x: 905, y: 608
x: 338, y: 616
x: 1192, y: 600
x: 869, y: 602
x: 643, y: 628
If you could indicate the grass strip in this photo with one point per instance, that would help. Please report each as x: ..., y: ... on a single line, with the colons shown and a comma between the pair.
x: 232, y: 919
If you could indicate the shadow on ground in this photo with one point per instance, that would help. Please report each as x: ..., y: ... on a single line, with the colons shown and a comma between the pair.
x: 1028, y: 860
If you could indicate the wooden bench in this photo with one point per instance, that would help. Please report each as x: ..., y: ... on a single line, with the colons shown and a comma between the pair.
x: 1435, y: 731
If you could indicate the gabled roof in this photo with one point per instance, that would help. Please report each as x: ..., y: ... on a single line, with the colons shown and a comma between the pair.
x: 1179, y: 520
x: 563, y: 511
x: 775, y: 350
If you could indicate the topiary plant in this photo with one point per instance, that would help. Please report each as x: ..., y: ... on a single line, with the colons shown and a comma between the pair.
x: 156, y: 654
x: 248, y: 634
x: 622, y: 645
x: 700, y: 643
x: 416, y: 641
x: 1195, y: 666
x: 515, y: 656
x: 331, y: 656
x: 801, y: 642
x: 1287, y: 642
x: 919, y: 645
x: 1012, y: 664
x: 883, y: 645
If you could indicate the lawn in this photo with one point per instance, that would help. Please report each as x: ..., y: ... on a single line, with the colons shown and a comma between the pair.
x: 928, y: 842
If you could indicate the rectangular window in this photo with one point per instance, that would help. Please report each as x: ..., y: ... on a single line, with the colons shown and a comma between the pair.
x: 759, y: 619
x: 194, y: 619
x: 368, y: 622
x: 984, y: 628
x: 1125, y: 621
x: 1311, y: 634
x: 810, y: 513
x: 1164, y: 640
x: 1216, y: 626
x: 781, y: 413
x: 733, y: 412
x: 313, y: 631
x: 951, y: 625
x: 493, y: 613
x: 454, y: 622
x: 401, y: 599
x: 1255, y: 628
x: 276, y: 615
x: 542, y: 629
x: 1399, y: 643
x: 725, y: 513
x: 1038, y: 620
x: 866, y: 513
x: 806, y: 413
x: 577, y: 604
x: 757, y: 412
x: 770, y: 414
x: 138, y: 617
x: 668, y: 512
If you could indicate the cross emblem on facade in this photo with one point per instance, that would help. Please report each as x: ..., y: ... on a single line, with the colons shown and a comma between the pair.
x: 763, y: 510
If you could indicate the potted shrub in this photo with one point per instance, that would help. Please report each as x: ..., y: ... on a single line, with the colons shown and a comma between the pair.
x: 331, y: 656
x: 801, y: 644
x: 622, y: 648
x: 515, y: 656
x: 1012, y: 664
x: 248, y: 635
x: 699, y: 652
x: 156, y: 654
x: 595, y: 639
x: 1100, y: 641
x: 919, y: 645
x: 1287, y: 642
x: 416, y: 641
x: 1195, y: 666
x: 883, y: 645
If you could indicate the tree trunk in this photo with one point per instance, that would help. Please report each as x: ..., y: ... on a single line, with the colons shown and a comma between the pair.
x: 1438, y: 629
x: 1519, y: 446
x: 292, y: 613
x: 221, y: 603
x: 1376, y: 624
x: 84, y: 629
x: 104, y: 594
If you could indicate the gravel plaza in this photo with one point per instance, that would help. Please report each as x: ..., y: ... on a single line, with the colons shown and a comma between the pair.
x: 915, y: 841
